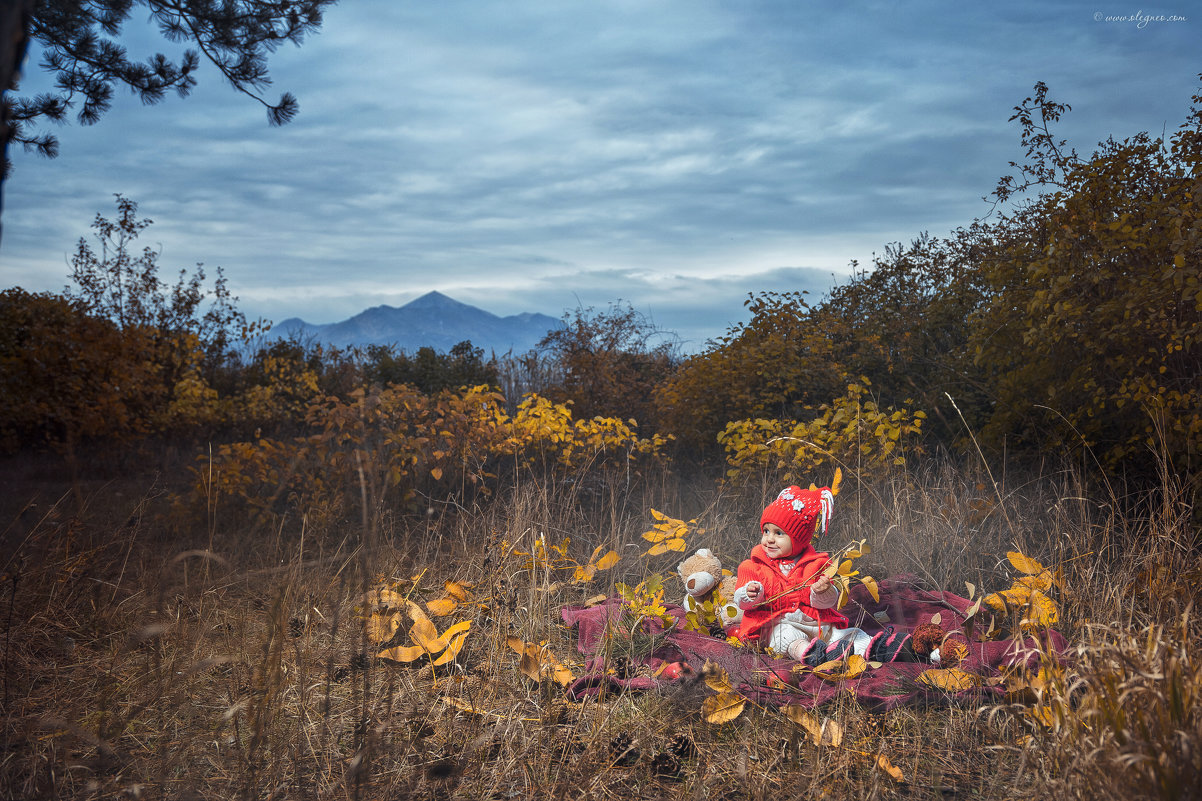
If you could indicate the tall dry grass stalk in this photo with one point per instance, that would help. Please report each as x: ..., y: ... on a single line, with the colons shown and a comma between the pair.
x: 146, y: 658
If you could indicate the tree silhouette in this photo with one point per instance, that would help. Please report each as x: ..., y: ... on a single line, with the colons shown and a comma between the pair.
x: 80, y: 44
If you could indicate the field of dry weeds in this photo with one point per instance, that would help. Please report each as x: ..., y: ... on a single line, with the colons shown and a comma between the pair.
x: 151, y: 656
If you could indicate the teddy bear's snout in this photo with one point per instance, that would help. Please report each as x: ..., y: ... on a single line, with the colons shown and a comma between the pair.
x: 699, y: 583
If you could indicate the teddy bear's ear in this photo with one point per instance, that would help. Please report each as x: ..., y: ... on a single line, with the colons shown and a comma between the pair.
x: 704, y: 552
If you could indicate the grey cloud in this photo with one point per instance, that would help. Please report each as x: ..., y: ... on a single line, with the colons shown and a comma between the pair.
x: 535, y: 153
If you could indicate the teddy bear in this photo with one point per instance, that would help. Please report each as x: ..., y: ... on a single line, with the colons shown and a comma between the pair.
x: 931, y: 643
x: 709, y: 594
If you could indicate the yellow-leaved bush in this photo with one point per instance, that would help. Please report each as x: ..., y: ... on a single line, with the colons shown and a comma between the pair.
x: 392, y: 444
x: 852, y: 430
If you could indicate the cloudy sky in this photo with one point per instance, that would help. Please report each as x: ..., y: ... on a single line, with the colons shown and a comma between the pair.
x: 538, y: 155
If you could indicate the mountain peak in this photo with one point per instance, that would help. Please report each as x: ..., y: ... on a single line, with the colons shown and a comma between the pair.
x: 433, y: 300
x: 433, y: 320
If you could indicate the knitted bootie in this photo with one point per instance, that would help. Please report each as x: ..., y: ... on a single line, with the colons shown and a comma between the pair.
x: 839, y: 650
x: 812, y: 654
x: 891, y: 646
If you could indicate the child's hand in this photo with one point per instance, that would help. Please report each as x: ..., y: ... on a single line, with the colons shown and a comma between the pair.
x: 821, y: 585
x: 754, y: 591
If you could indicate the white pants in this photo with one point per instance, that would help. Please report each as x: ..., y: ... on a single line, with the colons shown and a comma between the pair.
x: 798, y: 627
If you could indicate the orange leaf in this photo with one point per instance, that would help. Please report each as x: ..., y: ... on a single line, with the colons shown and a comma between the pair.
x: 609, y: 560
x: 380, y: 627
x: 1024, y: 564
x: 457, y: 591
x: 441, y: 607
x: 402, y: 653
x: 529, y: 663
x: 444, y: 640
x: 949, y: 679
x: 453, y: 648
x: 425, y: 634
x: 887, y: 766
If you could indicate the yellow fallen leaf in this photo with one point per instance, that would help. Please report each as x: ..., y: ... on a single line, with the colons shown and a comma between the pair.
x: 1039, y: 581
x: 383, y: 597
x: 457, y: 591
x: 609, y: 560
x: 826, y: 732
x: 949, y: 679
x: 1042, y: 612
x: 561, y: 675
x: 887, y: 766
x: 437, y: 643
x: 716, y: 677
x: 445, y: 640
x: 1005, y: 600
x: 529, y: 664
x: 1043, y: 715
x: 380, y: 627
x: 424, y: 633
x: 842, y: 669
x: 1024, y: 564
x: 664, y: 547
x: 454, y: 646
x: 441, y: 607
x: 657, y: 534
x: 415, y: 612
x: 723, y: 707
x: 402, y: 653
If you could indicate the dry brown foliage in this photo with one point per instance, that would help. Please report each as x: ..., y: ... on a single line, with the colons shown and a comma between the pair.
x: 144, y: 658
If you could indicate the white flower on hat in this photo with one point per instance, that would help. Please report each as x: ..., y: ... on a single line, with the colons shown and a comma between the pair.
x: 785, y: 494
x: 799, y: 505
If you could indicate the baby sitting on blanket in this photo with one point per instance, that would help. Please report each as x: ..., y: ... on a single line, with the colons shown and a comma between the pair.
x: 787, y: 602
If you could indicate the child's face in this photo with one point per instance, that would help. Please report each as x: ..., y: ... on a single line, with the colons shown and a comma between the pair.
x: 777, y: 544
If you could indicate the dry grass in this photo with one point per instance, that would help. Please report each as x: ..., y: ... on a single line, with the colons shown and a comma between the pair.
x: 145, y: 658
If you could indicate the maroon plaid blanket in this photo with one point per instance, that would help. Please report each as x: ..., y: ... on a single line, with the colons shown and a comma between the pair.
x: 612, y: 666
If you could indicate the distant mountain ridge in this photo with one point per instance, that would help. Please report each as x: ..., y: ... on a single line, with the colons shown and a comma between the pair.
x: 433, y: 320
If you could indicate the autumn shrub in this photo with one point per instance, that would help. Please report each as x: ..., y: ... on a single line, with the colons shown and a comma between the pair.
x: 851, y: 431
x: 387, y: 448
x: 464, y: 365
x: 1091, y: 332
x: 67, y: 376
x: 772, y: 366
x: 1067, y: 320
x: 607, y: 363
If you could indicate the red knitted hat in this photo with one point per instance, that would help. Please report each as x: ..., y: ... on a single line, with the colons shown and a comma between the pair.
x: 800, y: 514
